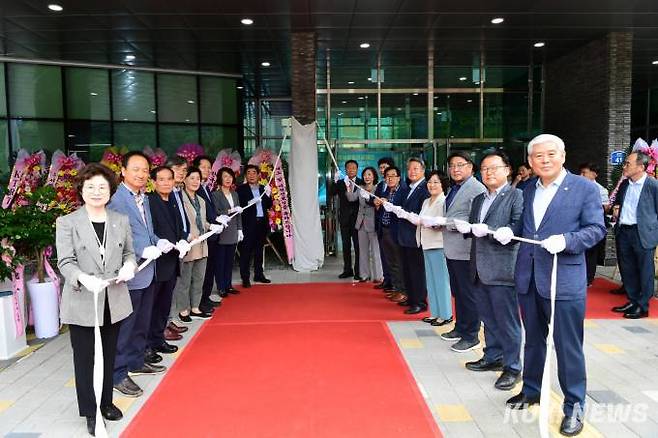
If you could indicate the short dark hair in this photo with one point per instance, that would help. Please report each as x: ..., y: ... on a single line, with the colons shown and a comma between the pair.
x: 397, y: 171
x: 460, y: 154
x: 129, y: 155
x: 156, y: 170
x: 445, y: 181
x: 91, y: 170
x: 374, y: 173
x: 176, y: 160
x: 386, y: 160
x: 249, y: 166
x: 197, y: 161
x: 351, y: 161
x: 591, y: 166
x: 526, y: 165
x: 495, y: 153
x: 226, y: 170
x: 416, y: 160
x: 193, y: 169
x: 642, y: 158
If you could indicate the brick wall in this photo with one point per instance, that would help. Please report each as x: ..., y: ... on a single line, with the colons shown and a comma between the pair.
x: 588, y: 100
x: 303, y: 76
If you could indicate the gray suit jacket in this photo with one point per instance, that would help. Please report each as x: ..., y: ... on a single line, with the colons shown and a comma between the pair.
x: 492, y: 262
x: 77, y: 253
x: 455, y: 246
x: 365, y: 218
x: 230, y: 235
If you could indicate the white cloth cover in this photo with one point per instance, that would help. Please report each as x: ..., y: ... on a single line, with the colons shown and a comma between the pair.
x: 303, y: 181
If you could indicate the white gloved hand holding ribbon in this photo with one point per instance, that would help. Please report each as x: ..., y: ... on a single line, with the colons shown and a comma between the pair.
x: 164, y: 245
x: 554, y: 244
x: 216, y: 228
x: 365, y: 195
x: 151, y: 252
x: 223, y: 219
x: 240, y: 235
x: 503, y: 235
x: 237, y: 209
x: 126, y: 273
x: 183, y: 247
x: 413, y: 218
x: 388, y: 207
x: 337, y: 176
x: 92, y: 283
x: 462, y: 226
x: 479, y: 230
x: 268, y: 190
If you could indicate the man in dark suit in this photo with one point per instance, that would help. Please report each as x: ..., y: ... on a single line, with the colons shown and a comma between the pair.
x: 395, y: 194
x: 383, y: 164
x: 497, y: 303
x: 255, y: 225
x: 347, y: 213
x: 413, y: 264
x: 207, y: 305
x: 564, y: 212
x: 637, y: 235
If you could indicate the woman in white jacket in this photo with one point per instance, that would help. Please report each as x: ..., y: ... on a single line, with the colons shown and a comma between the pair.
x: 430, y: 238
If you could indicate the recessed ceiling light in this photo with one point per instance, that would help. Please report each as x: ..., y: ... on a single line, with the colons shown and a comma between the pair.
x: 361, y: 109
x: 463, y: 78
x: 343, y: 101
x: 55, y: 7
x: 265, y: 64
x: 125, y: 120
x: 93, y: 94
x: 370, y: 79
x: 398, y: 109
x: 71, y: 136
x: 130, y: 57
x: 350, y: 82
x: 247, y: 21
x: 239, y: 87
x: 364, y: 45
x: 539, y: 44
x: 152, y: 111
x: 477, y: 82
x: 415, y: 94
x: 360, y: 97
x: 469, y: 100
x: 436, y: 97
x: 439, y: 113
x: 497, y: 20
x: 655, y: 62
x: 187, y: 120
x: 190, y: 102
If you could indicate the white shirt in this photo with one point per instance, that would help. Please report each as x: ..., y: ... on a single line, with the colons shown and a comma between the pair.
x: 489, y: 198
x: 605, y: 200
x: 255, y: 192
x: 544, y: 196
x: 628, y: 215
x: 414, y: 185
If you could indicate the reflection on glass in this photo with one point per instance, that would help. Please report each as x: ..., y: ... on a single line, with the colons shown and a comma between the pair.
x: 34, y: 135
x: 506, y: 115
x: 174, y: 136
x: 456, y: 115
x: 216, y: 138
x: 134, y: 136
x: 177, y: 98
x: 404, y: 116
x: 218, y: 100
x: 35, y: 91
x: 133, y: 96
x: 3, y: 97
x: 87, y: 93
x: 4, y: 153
x: 272, y: 115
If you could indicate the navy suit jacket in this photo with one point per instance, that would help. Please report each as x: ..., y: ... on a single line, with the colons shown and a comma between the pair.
x: 576, y: 212
x: 412, y: 204
x: 167, y: 224
x: 249, y: 215
x: 646, y: 213
x: 380, y: 191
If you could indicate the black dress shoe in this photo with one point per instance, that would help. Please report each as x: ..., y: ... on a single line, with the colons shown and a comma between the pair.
x: 245, y: 284
x: 152, y: 357
x: 571, y: 426
x: 111, y: 413
x: 128, y: 387
x: 619, y: 291
x: 91, y: 425
x: 166, y: 348
x: 404, y: 303
x: 234, y: 291
x: 484, y: 365
x: 382, y: 286
x: 223, y: 293
x: 262, y: 280
x: 429, y: 319
x: 522, y: 401
x: 623, y: 309
x: 200, y: 315
x: 415, y: 309
x: 636, y: 313
x: 357, y: 278
x: 346, y: 275
x: 148, y: 370
x: 507, y: 380
x: 438, y: 323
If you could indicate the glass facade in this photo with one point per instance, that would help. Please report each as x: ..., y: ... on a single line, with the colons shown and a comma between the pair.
x: 85, y: 110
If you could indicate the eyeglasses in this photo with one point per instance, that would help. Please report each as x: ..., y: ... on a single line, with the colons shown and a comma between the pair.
x: 458, y: 165
x: 492, y: 169
x: 90, y: 188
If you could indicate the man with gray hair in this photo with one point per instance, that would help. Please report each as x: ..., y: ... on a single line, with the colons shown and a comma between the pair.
x: 564, y: 212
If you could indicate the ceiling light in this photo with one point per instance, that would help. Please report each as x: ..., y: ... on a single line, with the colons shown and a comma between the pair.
x: 539, y: 44
x: 497, y: 20
x: 439, y: 113
x: 469, y: 100
x: 190, y: 102
x: 361, y: 109
x: 247, y: 21
x: 93, y: 94
x: 343, y: 101
x: 152, y: 111
x: 187, y: 120
x: 477, y: 82
x: 655, y: 62
x: 239, y: 87
x: 55, y: 7
x: 125, y: 120
x: 415, y: 94
x: 360, y: 97
x: 463, y: 78
x: 265, y: 64
x: 130, y: 57
x: 71, y: 136
x: 398, y: 109
x: 350, y: 82
x: 370, y: 79
x: 364, y: 45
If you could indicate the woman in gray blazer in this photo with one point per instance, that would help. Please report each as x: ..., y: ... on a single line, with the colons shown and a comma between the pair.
x: 370, y: 262
x: 93, y: 244
x: 226, y: 203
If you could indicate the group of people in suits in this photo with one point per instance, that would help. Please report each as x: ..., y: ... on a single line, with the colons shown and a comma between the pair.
x: 436, y: 241
x: 120, y: 227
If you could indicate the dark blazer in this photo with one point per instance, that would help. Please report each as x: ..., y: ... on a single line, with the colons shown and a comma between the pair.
x: 210, y: 211
x: 167, y: 265
x: 505, y: 211
x: 230, y: 235
x: 347, y: 210
x: 647, y: 211
x: 380, y: 191
x: 178, y: 200
x: 412, y: 204
x: 249, y: 215
x: 576, y: 212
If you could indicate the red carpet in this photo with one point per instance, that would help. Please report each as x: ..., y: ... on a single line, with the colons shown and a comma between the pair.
x: 291, y: 361
x: 600, y: 301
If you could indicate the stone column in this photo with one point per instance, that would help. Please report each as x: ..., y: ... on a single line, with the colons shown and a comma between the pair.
x: 302, y: 81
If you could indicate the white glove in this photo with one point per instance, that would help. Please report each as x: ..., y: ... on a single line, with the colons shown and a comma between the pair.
x: 165, y: 246
x: 462, y: 226
x: 503, y: 235
x: 347, y: 181
x: 365, y: 195
x: 151, y: 252
x: 92, y: 283
x: 223, y: 219
x: 388, y: 206
x: 337, y: 176
x: 413, y: 218
x: 216, y: 228
x: 236, y: 209
x: 554, y: 244
x: 268, y: 190
x: 183, y: 247
x: 479, y: 230
x: 126, y: 273
x: 240, y: 235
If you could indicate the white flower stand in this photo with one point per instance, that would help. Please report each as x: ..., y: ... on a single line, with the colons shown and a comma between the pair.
x: 10, y: 344
x: 45, y: 308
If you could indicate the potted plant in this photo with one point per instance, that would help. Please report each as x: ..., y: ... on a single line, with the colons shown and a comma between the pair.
x: 12, y: 302
x: 31, y: 227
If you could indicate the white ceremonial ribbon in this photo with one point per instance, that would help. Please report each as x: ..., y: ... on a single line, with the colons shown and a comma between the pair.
x: 99, y: 371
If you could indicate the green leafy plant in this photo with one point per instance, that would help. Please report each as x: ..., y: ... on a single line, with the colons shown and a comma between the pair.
x: 31, y: 226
